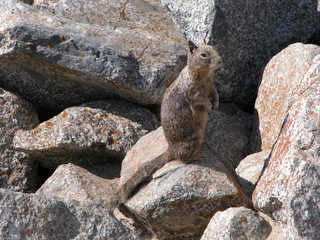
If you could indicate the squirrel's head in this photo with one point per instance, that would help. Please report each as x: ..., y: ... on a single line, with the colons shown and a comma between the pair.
x: 203, y: 57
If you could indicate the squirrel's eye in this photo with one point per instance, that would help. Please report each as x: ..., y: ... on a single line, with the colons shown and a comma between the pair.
x: 203, y: 55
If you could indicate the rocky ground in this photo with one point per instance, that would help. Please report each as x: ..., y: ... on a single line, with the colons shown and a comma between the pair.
x: 80, y: 88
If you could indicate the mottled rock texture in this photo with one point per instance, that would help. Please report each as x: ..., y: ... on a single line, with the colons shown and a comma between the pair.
x: 179, y: 199
x: 90, y: 133
x: 76, y: 183
x: 247, y: 34
x: 29, y: 216
x: 282, y: 83
x: 60, y: 53
x: 289, y: 188
x: 141, y: 161
x: 237, y: 224
x: 17, y: 172
x: 228, y: 134
x: 250, y: 170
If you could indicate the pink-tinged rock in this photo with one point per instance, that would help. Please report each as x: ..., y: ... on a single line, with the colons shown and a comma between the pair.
x: 289, y: 189
x: 17, y: 171
x: 76, y: 183
x: 250, y: 170
x: 237, y: 223
x: 90, y: 133
x: 282, y: 82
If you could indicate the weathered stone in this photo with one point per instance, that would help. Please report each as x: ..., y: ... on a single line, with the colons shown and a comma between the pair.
x: 282, y: 82
x: 277, y: 231
x: 76, y: 183
x: 247, y: 35
x: 62, y: 53
x: 90, y: 133
x: 17, y: 172
x: 228, y: 133
x: 181, y: 198
x: 29, y: 216
x: 250, y: 169
x: 8, y: 5
x: 289, y: 189
x: 141, y: 161
x: 237, y: 224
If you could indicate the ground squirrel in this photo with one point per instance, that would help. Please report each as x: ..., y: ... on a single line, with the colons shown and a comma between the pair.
x: 184, y: 114
x: 187, y: 102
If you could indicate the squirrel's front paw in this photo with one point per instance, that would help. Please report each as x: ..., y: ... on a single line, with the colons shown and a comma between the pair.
x: 215, y: 105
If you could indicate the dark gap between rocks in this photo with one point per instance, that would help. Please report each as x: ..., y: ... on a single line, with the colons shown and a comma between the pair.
x: 29, y: 2
x: 42, y: 176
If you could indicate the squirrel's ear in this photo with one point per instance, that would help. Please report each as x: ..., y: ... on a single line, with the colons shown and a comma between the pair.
x: 203, y: 41
x: 192, y: 46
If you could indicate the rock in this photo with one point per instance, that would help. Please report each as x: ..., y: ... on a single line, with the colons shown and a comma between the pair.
x: 17, y: 172
x: 180, y: 198
x: 237, y: 224
x: 76, y: 183
x: 91, y: 133
x: 228, y: 133
x: 282, y: 82
x: 227, y: 125
x: 288, y: 190
x: 29, y: 216
x: 250, y: 170
x: 277, y: 231
x: 60, y: 54
x: 141, y: 161
x: 247, y: 35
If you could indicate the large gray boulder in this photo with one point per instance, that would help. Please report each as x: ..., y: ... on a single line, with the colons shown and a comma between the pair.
x: 64, y: 53
x: 247, y: 34
x: 17, y: 171
x: 29, y: 216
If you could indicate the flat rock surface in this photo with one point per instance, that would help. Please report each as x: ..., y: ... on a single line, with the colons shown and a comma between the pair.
x: 235, y: 224
x: 289, y: 188
x: 89, y: 133
x: 40, y: 217
x: 58, y: 54
x: 282, y: 83
x: 17, y: 172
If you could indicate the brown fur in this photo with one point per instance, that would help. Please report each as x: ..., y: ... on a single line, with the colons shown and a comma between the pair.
x: 187, y: 102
